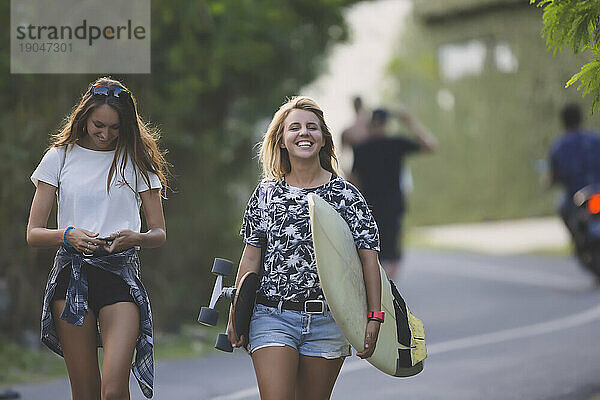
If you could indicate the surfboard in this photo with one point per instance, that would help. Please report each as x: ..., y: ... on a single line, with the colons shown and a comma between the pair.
x: 400, y: 347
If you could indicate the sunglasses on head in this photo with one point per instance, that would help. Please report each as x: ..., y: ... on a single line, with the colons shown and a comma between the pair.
x: 107, y: 91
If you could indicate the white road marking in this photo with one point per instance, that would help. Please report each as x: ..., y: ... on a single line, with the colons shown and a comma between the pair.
x: 542, y: 328
x: 242, y: 394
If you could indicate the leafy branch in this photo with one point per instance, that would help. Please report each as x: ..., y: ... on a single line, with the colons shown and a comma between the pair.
x: 575, y: 24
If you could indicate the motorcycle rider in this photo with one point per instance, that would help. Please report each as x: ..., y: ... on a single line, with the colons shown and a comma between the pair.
x: 574, y: 163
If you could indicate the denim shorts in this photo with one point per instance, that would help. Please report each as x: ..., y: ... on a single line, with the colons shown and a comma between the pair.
x: 314, y: 335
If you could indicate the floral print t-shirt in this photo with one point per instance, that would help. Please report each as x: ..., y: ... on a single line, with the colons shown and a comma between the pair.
x: 277, y: 215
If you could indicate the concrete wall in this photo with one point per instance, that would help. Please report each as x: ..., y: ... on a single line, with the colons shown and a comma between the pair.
x: 493, y: 121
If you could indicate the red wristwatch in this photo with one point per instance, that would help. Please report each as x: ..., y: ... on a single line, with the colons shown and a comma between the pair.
x: 378, y: 316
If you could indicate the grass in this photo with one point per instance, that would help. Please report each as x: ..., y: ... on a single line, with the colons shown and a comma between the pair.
x: 20, y: 364
x: 191, y: 341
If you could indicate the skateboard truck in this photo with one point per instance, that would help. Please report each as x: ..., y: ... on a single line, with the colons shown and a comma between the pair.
x: 208, y: 315
x: 242, y: 301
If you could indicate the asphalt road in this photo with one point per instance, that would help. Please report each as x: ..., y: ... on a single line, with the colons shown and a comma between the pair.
x: 498, y: 327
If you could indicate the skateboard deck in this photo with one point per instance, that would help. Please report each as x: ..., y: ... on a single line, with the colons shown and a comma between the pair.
x: 399, y: 352
x: 243, y: 305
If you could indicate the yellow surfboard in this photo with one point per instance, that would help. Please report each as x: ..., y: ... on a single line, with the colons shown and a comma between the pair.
x: 400, y: 347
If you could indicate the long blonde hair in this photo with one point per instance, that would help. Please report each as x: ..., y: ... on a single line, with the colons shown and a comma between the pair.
x: 275, y: 160
x: 136, y: 138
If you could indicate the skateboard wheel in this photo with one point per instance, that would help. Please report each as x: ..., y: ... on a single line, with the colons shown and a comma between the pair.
x: 208, y: 316
x: 223, y: 343
x: 222, y: 266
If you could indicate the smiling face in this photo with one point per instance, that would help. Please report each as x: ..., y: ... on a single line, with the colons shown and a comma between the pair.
x: 302, y: 136
x: 103, y: 126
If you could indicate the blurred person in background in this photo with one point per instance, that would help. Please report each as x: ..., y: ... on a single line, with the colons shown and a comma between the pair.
x: 355, y: 134
x: 358, y: 131
x: 574, y: 161
x: 378, y: 166
x: 102, y: 166
x: 297, y: 348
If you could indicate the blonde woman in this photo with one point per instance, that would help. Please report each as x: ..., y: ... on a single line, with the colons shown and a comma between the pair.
x: 102, y: 166
x: 297, y: 349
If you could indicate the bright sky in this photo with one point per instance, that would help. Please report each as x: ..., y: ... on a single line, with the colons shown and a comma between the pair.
x: 358, y: 67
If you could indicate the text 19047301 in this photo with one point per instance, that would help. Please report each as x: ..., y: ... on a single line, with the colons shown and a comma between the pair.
x: 46, y: 47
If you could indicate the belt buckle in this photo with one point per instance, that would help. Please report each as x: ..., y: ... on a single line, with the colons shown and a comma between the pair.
x: 311, y: 306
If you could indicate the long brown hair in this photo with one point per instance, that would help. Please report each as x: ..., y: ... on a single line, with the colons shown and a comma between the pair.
x: 136, y: 140
x: 276, y: 160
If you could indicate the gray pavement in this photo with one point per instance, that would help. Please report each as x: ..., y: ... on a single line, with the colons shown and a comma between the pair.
x: 498, y: 328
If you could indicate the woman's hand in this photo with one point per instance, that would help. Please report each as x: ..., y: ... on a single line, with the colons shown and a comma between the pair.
x: 233, y: 339
x: 121, y: 240
x: 83, y: 241
x: 250, y: 261
x: 371, y: 335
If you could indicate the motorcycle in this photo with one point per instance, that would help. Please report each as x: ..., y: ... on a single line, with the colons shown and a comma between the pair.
x: 585, y: 227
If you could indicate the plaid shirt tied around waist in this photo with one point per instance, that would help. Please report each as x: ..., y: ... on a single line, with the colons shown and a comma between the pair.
x: 125, y: 264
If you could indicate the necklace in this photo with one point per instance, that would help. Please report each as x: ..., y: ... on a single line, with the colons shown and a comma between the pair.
x: 313, y: 183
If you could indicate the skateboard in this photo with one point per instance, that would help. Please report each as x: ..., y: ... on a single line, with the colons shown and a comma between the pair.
x: 242, y: 300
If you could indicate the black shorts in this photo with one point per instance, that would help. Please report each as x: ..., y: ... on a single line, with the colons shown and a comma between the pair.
x: 104, y: 288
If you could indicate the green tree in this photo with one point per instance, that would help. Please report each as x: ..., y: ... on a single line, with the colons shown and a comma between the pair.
x: 575, y: 24
x: 218, y: 67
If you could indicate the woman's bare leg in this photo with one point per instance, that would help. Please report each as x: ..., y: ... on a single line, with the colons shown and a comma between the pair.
x: 119, y: 327
x: 316, y: 377
x: 276, y: 368
x: 79, y: 344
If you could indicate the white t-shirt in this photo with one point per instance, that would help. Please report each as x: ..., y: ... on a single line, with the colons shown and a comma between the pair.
x: 83, y: 201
